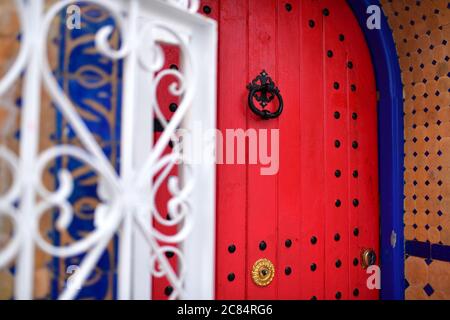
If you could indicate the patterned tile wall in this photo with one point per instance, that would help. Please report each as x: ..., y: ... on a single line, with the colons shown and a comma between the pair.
x: 92, y: 82
x: 421, y: 31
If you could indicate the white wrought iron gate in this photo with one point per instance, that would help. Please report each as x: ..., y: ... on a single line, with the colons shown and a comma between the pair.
x: 127, y: 199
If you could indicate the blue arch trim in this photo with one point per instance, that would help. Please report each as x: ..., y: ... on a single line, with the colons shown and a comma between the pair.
x: 391, y: 139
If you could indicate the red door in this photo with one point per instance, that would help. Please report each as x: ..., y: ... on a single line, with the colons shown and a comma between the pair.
x: 314, y: 218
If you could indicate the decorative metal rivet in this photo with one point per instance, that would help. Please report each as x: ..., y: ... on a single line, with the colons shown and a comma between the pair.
x: 355, y: 262
x: 311, y: 23
x: 337, y: 115
x: 231, y: 277
x: 338, y: 295
x: 338, y: 263
x: 356, y: 232
x: 168, y: 290
x: 350, y: 65
x: 287, y: 270
x: 341, y: 37
x: 337, y: 173
x: 337, y: 203
x: 288, y: 243
x: 262, y: 245
x: 169, y: 254
x: 231, y: 248
x: 356, y: 292
x: 355, y: 174
x: 288, y: 7
x: 173, y: 107
x: 355, y: 144
x: 263, y: 272
x: 337, y: 237
x: 353, y: 87
x: 337, y: 143
x: 313, y: 267
x: 354, y: 116
x: 313, y: 239
x: 157, y: 125
x: 326, y: 12
x: 355, y: 202
x: 207, y: 9
x: 336, y: 85
x: 329, y: 53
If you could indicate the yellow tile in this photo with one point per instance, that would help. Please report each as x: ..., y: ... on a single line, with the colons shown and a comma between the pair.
x: 6, y: 285
x: 409, y: 218
x: 445, y: 238
x: 421, y: 219
x: 415, y: 293
x: 9, y: 23
x: 422, y: 234
x: 445, y: 233
x: 433, y: 219
x: 41, y: 283
x: 416, y: 271
x: 438, y: 295
x: 434, y: 235
x: 409, y: 232
x: 439, y: 275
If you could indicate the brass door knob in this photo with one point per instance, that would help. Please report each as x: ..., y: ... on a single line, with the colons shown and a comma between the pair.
x: 368, y: 258
x: 263, y: 272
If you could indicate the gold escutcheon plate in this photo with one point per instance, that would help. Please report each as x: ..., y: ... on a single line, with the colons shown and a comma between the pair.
x: 368, y: 258
x: 263, y: 272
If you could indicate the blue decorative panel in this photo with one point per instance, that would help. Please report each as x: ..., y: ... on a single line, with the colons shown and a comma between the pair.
x: 93, y: 83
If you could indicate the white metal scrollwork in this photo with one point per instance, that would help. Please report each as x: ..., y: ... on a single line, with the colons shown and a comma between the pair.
x: 127, y: 199
x: 191, y: 5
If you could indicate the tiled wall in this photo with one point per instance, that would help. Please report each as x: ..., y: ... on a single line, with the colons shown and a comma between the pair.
x: 421, y: 31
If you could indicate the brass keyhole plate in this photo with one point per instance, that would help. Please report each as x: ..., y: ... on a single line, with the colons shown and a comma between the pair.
x: 263, y: 272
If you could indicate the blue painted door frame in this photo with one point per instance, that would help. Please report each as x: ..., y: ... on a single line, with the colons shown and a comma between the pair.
x: 390, y: 137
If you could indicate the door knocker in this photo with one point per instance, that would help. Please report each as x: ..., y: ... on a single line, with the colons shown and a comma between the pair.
x: 264, y: 92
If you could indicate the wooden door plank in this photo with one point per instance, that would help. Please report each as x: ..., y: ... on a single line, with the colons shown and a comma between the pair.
x: 312, y: 239
x: 363, y: 129
x: 262, y: 208
x: 231, y: 270
x: 289, y: 205
x: 336, y: 119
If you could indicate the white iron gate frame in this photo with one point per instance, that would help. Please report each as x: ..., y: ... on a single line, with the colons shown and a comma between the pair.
x: 128, y: 198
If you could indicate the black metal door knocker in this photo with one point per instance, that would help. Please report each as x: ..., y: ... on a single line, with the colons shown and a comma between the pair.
x: 263, y: 90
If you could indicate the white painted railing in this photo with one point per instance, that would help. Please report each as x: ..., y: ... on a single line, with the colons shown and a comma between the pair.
x: 128, y: 198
